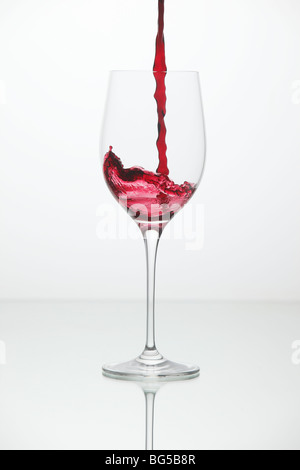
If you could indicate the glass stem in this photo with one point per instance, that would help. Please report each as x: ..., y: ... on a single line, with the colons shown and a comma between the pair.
x: 151, y: 239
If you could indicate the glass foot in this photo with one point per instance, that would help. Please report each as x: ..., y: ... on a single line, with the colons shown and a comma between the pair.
x: 143, y: 369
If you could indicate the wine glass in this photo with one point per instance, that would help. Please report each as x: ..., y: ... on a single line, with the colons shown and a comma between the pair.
x: 128, y: 146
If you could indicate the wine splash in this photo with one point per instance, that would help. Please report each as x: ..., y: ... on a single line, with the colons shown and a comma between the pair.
x: 146, y: 195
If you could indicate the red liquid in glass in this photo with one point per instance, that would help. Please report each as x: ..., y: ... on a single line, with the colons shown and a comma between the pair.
x: 146, y: 195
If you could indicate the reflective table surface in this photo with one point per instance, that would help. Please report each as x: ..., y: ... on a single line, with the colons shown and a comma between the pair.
x: 53, y: 394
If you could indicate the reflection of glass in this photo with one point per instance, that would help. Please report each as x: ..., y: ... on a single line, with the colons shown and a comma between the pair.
x: 150, y: 389
x: 150, y: 198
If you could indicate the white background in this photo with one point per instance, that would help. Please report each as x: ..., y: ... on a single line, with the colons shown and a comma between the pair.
x: 54, y: 61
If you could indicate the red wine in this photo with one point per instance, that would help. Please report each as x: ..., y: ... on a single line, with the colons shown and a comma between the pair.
x: 146, y: 195
x: 160, y: 70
